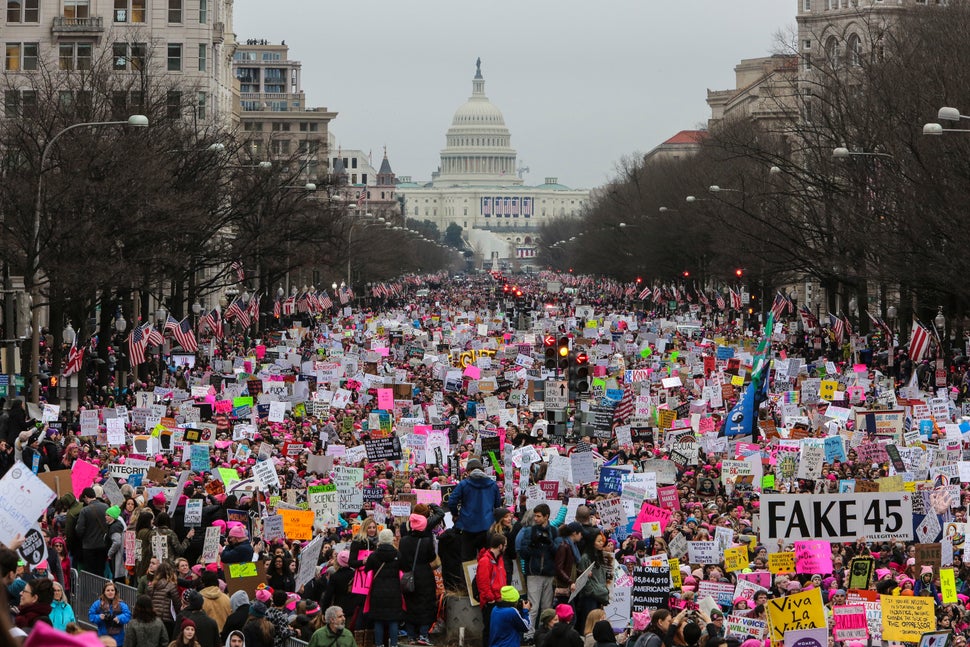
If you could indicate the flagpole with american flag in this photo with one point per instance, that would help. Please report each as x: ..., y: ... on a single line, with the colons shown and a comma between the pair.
x: 75, y: 359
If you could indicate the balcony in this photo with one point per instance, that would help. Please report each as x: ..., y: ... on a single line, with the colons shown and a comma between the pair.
x: 76, y: 26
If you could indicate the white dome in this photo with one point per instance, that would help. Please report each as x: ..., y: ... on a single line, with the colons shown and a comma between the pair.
x: 478, y: 111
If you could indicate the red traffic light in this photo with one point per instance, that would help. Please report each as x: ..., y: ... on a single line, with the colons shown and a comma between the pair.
x: 639, y: 280
x: 549, y: 340
x: 739, y: 272
x: 582, y: 358
x: 686, y: 274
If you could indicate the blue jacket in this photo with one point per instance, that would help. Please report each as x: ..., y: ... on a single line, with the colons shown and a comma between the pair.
x: 61, y: 614
x: 508, y: 625
x: 238, y: 554
x: 474, y: 501
x: 124, y: 616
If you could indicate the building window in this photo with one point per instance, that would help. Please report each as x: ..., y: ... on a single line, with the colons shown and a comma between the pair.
x: 21, y: 56
x: 75, y: 56
x: 174, y: 57
x: 200, y: 103
x: 23, y: 10
x: 363, y: 178
x: 203, y: 55
x: 833, y: 52
x: 76, y: 8
x: 281, y: 126
x: 173, y: 103
x: 353, y: 163
x: 130, y: 11
x: 175, y: 11
x: 203, y: 11
x: 853, y: 47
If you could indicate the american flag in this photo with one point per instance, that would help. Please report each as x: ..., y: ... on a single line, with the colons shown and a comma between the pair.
x: 919, y: 343
x: 302, y: 303
x: 75, y: 359
x: 236, y: 310
x: 838, y: 328
x: 807, y: 317
x: 735, y: 300
x: 289, y: 306
x: 778, y: 305
x: 880, y: 323
x: 703, y: 298
x: 313, y: 302
x: 277, y: 309
x: 719, y: 300
x: 625, y: 408
x: 171, y: 324
x: 184, y: 335
x: 644, y: 293
x: 325, y: 301
x: 213, y: 321
x: 363, y: 196
x: 253, y: 308
x: 240, y: 271
x: 346, y: 295
x: 658, y: 294
x: 137, y: 342
x: 155, y: 338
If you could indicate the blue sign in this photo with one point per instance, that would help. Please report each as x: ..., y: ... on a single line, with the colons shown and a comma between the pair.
x: 834, y: 449
x: 725, y: 352
x: 611, y: 480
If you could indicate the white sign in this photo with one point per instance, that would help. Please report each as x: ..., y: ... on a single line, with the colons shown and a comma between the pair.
x: 308, y: 562
x: 877, y: 516
x: 265, y: 472
x: 556, y: 395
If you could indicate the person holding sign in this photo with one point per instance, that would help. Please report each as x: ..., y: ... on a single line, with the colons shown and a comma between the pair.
x: 473, y: 502
x: 238, y: 550
x: 596, y: 593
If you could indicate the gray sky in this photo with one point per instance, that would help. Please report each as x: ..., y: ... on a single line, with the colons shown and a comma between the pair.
x: 581, y: 84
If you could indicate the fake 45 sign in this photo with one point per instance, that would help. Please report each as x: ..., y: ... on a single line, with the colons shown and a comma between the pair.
x: 877, y: 516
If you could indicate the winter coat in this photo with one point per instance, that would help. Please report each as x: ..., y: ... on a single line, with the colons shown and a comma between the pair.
x: 385, y: 591
x: 238, y: 554
x: 282, y: 581
x: 216, y: 604
x: 421, y: 604
x: 567, y: 555
x: 206, y: 632
x: 116, y: 551
x: 490, y: 576
x: 74, y: 508
x: 165, y: 599
x: 146, y: 634
x: 535, y: 545
x: 324, y: 637
x: 61, y: 614
x: 358, y: 545
x: 108, y: 627
x: 338, y: 592
x: 598, y: 582
x: 473, y: 501
x: 91, y: 526
x: 30, y: 613
x: 508, y: 625
x: 562, y: 634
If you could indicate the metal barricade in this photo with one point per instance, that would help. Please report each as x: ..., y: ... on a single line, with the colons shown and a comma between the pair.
x: 86, y: 588
x: 295, y: 642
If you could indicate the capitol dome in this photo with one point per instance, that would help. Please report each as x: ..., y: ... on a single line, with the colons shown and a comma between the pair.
x: 478, y: 149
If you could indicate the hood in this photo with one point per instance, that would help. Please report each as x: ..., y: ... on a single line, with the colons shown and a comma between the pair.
x: 238, y: 599
x: 67, y: 500
x: 479, y: 479
x: 236, y: 632
x: 212, y: 593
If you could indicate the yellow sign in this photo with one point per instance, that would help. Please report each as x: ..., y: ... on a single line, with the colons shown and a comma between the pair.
x: 905, y: 618
x: 667, y: 417
x: 737, y: 380
x: 828, y: 389
x: 735, y: 559
x: 246, y: 569
x: 675, y: 578
x: 297, y: 524
x: 893, y: 483
x: 781, y: 563
x: 948, y: 586
x: 801, y: 611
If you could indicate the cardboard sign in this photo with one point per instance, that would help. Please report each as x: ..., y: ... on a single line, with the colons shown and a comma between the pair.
x: 860, y: 572
x: 813, y: 557
x: 244, y: 577
x: 795, y: 612
x: 298, y: 524
x: 781, y: 562
x: 877, y: 516
x: 735, y: 559
x: 850, y: 622
x: 651, y: 588
x: 906, y: 618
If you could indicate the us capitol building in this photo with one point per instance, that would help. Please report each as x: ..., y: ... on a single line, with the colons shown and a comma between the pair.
x: 478, y: 187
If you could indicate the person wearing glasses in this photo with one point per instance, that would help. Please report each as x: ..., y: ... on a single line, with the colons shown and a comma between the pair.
x: 335, y: 632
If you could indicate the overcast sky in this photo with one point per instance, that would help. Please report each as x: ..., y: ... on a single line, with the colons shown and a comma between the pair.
x: 581, y: 84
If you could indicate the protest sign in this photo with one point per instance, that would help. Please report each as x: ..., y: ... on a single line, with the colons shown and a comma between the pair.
x: 813, y: 557
x: 877, y: 516
x: 210, y: 548
x: 736, y: 558
x: 794, y: 612
x: 850, y: 622
x: 309, y: 557
x: 743, y: 626
x: 906, y: 618
x: 651, y: 588
x: 23, y: 498
x: 244, y: 577
x: 297, y: 524
x: 383, y: 449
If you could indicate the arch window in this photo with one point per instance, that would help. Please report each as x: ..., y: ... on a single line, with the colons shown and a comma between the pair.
x: 853, y: 48
x: 833, y: 51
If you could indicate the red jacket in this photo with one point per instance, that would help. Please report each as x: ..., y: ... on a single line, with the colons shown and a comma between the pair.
x: 490, y: 577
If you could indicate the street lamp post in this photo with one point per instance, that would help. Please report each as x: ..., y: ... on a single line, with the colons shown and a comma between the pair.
x: 139, y: 121
x: 366, y: 219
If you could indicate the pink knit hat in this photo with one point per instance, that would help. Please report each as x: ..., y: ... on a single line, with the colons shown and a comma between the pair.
x: 418, y: 522
x: 238, y: 532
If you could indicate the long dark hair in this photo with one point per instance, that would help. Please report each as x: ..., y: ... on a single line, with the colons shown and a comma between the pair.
x: 113, y: 605
x: 143, y: 611
x: 262, y: 626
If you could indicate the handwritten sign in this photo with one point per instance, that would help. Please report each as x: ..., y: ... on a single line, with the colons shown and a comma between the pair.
x: 850, y: 622
x: 813, y: 557
x: 795, y: 612
x: 298, y: 524
x: 906, y: 618
x: 736, y: 558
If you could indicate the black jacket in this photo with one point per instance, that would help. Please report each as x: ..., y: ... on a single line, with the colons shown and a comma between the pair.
x: 385, y: 591
x: 235, y: 621
x: 421, y: 603
x: 206, y: 629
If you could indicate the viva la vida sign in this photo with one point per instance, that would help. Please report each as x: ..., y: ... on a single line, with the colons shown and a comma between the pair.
x: 877, y: 516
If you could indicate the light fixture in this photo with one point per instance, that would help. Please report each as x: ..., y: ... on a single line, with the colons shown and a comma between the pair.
x: 840, y: 153
x: 69, y: 334
x: 138, y: 121
x: 948, y: 114
x: 120, y: 323
x: 161, y: 314
x: 334, y: 286
x: 939, y: 320
x: 196, y: 307
x: 775, y: 170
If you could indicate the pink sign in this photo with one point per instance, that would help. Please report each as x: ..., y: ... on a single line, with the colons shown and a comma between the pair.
x: 82, y: 475
x: 422, y: 430
x: 850, y: 622
x: 668, y: 497
x: 473, y: 372
x: 813, y: 557
x: 385, y: 399
x: 260, y: 351
x: 761, y: 578
x: 428, y: 496
x: 223, y: 406
x: 650, y: 512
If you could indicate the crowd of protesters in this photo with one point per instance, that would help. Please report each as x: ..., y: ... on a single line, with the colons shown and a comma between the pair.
x: 384, y: 577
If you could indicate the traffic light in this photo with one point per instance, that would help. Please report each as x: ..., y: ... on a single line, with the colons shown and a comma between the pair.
x: 579, y: 372
x: 739, y: 272
x: 552, y: 360
x: 563, y: 352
